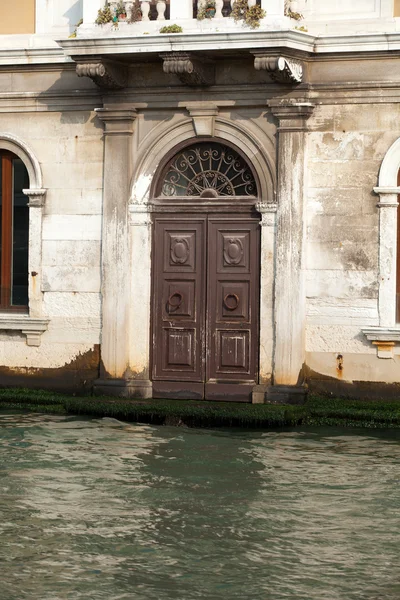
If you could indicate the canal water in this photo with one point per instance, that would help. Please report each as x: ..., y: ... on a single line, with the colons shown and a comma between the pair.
x: 99, y: 509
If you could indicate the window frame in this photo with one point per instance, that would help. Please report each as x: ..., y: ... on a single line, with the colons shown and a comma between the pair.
x: 398, y: 256
x: 7, y: 234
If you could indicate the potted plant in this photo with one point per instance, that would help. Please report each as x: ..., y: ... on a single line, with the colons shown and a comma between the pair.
x: 104, y: 15
x: 207, y: 10
x: 120, y: 12
x: 251, y: 15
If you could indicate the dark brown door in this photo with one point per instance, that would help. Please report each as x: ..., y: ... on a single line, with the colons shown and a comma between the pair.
x: 205, y: 307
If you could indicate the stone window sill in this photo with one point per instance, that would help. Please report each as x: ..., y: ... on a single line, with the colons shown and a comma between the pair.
x: 384, y: 338
x: 32, y: 328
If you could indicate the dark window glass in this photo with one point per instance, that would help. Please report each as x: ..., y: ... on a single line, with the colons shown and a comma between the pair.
x: 14, y: 233
x: 19, y: 290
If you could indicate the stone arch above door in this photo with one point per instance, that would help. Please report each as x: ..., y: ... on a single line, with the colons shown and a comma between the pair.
x: 257, y: 150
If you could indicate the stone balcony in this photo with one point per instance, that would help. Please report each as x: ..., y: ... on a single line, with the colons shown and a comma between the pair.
x: 155, y: 14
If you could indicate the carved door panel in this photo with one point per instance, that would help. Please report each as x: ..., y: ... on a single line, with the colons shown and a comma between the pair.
x: 233, y: 307
x: 178, y: 307
x: 205, y: 307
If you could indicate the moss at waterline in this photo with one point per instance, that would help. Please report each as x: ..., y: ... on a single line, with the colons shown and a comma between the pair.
x: 318, y: 410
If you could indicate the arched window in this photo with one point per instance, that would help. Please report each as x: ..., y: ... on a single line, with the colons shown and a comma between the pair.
x: 207, y: 169
x: 14, y: 233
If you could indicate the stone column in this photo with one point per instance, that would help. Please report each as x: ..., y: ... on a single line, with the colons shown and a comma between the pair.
x: 290, y: 317
x: 268, y: 220
x: 387, y: 204
x: 116, y: 264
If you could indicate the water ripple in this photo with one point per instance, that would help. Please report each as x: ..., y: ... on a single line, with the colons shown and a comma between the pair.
x: 94, y: 509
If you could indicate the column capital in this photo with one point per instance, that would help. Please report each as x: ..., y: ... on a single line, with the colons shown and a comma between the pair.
x: 36, y: 197
x: 139, y: 214
x: 268, y: 213
x: 291, y: 114
x: 117, y: 121
x: 387, y: 196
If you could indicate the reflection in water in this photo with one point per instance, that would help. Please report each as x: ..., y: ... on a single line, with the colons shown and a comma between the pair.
x: 94, y: 509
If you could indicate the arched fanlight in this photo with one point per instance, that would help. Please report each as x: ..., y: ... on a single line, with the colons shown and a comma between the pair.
x: 208, y: 169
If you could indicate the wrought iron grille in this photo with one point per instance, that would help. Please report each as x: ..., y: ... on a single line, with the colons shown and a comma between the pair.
x: 208, y: 169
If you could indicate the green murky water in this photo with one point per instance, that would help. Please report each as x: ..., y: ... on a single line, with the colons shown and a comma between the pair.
x: 94, y: 509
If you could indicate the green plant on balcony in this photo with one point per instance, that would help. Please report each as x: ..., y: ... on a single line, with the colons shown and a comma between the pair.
x: 104, y: 15
x: 120, y: 13
x: 251, y: 15
x: 74, y: 33
x: 293, y: 15
x: 171, y: 29
x: 207, y: 10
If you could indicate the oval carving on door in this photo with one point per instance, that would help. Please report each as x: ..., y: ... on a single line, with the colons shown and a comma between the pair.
x: 180, y: 251
x: 233, y: 251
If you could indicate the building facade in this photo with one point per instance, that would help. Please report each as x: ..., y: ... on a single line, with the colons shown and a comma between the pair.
x: 204, y: 214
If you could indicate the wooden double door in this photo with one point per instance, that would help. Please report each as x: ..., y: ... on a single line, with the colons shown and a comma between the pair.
x: 205, y: 316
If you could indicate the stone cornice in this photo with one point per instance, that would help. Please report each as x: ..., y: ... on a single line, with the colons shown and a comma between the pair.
x: 191, y: 69
x: 302, y: 43
x: 106, y: 74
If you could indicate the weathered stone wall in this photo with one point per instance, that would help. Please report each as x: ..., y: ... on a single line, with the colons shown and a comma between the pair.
x: 68, y: 145
x: 347, y: 144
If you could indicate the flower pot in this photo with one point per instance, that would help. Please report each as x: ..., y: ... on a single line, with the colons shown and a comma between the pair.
x: 210, y: 13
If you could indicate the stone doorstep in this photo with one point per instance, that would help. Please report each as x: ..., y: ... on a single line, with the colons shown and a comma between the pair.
x: 142, y: 389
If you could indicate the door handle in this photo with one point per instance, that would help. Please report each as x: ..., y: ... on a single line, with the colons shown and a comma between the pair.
x: 174, y: 305
x: 231, y: 305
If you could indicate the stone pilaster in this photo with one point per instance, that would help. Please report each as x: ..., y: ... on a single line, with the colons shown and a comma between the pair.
x: 290, y: 318
x: 36, y: 205
x: 268, y: 222
x: 139, y: 350
x: 118, y: 130
x: 387, y: 254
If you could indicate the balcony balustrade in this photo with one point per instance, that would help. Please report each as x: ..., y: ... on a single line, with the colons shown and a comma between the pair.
x: 154, y: 13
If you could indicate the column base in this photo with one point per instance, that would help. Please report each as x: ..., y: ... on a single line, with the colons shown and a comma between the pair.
x: 286, y: 394
x: 124, y: 388
x: 258, y: 395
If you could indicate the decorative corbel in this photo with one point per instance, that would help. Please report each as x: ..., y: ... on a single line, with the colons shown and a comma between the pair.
x: 191, y: 70
x: 105, y: 73
x: 36, y: 197
x: 268, y: 213
x: 203, y: 118
x: 281, y: 69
